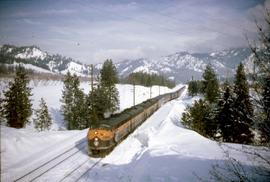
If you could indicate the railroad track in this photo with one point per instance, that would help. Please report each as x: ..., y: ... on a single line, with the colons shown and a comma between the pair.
x: 76, y: 177
x: 77, y: 173
x: 52, y: 163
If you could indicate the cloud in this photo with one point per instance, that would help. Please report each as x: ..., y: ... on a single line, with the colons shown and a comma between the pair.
x: 118, y: 54
x: 258, y: 12
x: 130, y: 29
x: 58, y: 11
x: 31, y: 22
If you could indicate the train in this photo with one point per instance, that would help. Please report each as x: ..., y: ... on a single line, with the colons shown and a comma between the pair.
x: 106, y: 134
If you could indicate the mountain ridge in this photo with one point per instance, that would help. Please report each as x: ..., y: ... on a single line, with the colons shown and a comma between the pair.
x: 183, y: 65
x: 55, y: 63
x: 179, y: 66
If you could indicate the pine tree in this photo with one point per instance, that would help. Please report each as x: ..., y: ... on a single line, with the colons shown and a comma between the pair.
x: 145, y: 79
x: 108, y: 73
x: 2, y: 117
x: 97, y: 104
x: 224, y: 115
x: 108, y: 80
x: 194, y: 116
x: 193, y: 88
x: 199, y: 117
x: 68, y: 100
x: 265, y: 126
x: 43, y: 120
x: 210, y: 84
x: 74, y: 106
x: 17, y: 104
x: 113, y: 98
x: 80, y: 109
x: 104, y: 99
x: 242, y: 108
x: 241, y: 89
x: 261, y: 76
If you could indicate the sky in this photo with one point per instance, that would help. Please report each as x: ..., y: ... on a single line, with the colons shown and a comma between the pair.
x: 94, y: 30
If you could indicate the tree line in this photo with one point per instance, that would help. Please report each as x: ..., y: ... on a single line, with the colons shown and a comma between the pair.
x: 228, y: 113
x: 16, y: 106
x: 82, y: 110
x: 146, y: 79
x: 79, y: 110
x: 195, y: 87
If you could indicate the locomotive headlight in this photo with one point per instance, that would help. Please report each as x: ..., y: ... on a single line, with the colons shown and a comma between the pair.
x: 96, y: 142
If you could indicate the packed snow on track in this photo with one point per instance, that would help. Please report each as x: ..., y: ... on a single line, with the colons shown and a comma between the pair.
x: 161, y: 149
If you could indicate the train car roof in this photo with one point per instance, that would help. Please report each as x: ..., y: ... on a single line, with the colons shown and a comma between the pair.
x: 125, y: 116
x: 118, y: 119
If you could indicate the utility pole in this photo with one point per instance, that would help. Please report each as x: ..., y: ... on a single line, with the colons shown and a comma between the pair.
x: 91, y: 95
x: 133, y: 93
x: 150, y: 91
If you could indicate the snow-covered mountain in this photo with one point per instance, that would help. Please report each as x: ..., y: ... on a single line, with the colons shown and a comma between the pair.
x: 181, y: 66
x: 34, y: 58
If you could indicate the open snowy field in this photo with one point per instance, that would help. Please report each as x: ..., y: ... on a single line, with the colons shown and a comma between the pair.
x: 161, y: 149
x: 51, y: 92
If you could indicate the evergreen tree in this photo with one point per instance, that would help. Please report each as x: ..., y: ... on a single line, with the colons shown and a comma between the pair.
x: 146, y: 79
x: 80, y: 109
x: 67, y: 100
x: 242, y: 108
x: 43, y: 120
x: 2, y: 118
x: 210, y: 84
x: 74, y: 106
x: 265, y: 126
x: 97, y: 104
x: 261, y: 76
x: 104, y: 99
x: 108, y: 80
x: 192, y: 88
x: 113, y: 98
x: 225, y: 116
x: 241, y: 89
x: 17, y: 104
x: 199, y: 117
x: 108, y: 73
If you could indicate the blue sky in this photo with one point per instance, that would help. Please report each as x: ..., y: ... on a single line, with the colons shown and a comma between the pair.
x: 92, y: 31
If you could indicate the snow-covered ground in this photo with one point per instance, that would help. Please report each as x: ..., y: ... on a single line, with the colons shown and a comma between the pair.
x: 51, y: 92
x: 161, y: 149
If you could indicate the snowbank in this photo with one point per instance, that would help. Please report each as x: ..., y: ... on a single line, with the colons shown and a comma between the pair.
x: 161, y: 149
